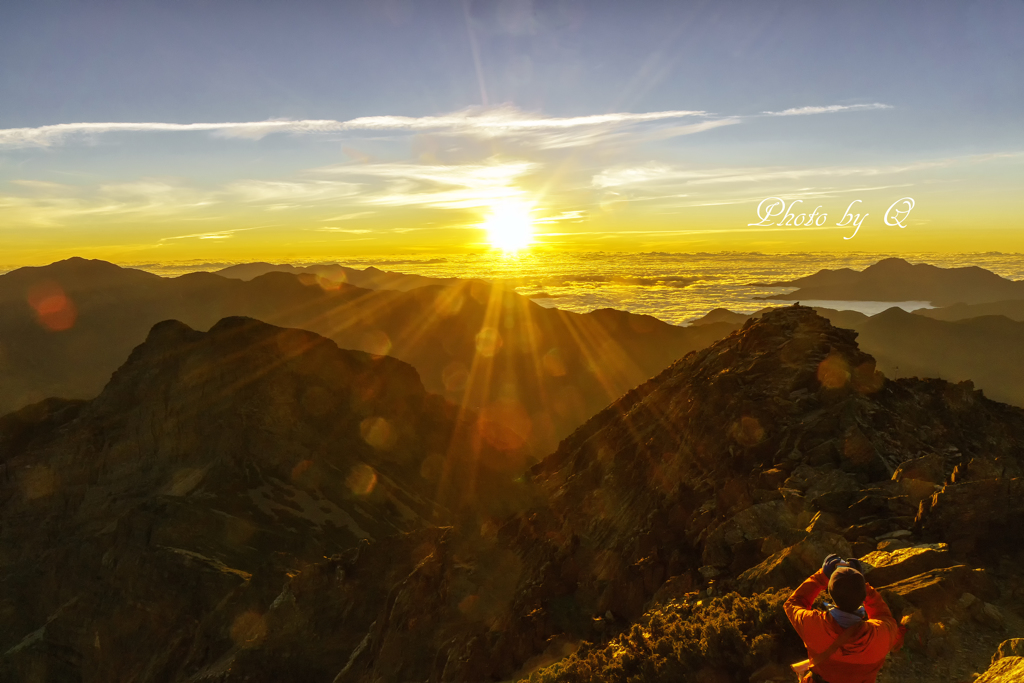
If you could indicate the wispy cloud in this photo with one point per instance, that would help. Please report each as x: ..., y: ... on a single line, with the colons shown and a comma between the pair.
x: 281, y: 191
x: 548, y: 132
x: 483, y: 122
x: 462, y: 186
x: 831, y: 109
x: 349, y: 216
x: 216, y: 235
x: 654, y: 174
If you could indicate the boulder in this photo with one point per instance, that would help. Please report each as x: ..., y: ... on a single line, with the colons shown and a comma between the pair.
x: 1014, y: 647
x: 932, y: 591
x: 790, y: 566
x: 917, y: 490
x: 823, y: 521
x: 987, y: 614
x: 929, y: 468
x: 891, y: 544
x: 827, y: 480
x: 753, y: 524
x: 1004, y: 670
x: 983, y: 516
x: 988, y: 467
x: 771, y: 479
x: 899, y: 564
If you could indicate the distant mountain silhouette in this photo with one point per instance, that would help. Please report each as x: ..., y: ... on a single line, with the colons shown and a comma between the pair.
x: 368, y: 278
x: 723, y: 315
x: 1013, y: 309
x: 536, y: 373
x: 986, y: 350
x: 894, y: 279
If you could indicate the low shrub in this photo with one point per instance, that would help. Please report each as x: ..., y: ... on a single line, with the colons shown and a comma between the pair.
x: 732, y: 634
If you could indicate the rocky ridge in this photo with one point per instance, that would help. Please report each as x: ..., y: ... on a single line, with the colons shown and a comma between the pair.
x: 732, y: 473
x: 212, y: 465
x: 665, y: 533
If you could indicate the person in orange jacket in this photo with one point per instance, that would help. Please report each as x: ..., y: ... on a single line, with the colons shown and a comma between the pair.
x: 873, y: 631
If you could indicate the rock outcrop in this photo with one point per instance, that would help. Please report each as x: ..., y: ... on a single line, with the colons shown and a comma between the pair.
x: 658, y: 540
x: 737, y: 469
x: 210, y: 466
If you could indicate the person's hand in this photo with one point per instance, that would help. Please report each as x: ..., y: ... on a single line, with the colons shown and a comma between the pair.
x: 830, y: 564
x: 856, y: 564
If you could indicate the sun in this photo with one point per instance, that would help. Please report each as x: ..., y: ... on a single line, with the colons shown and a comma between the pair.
x: 509, y: 225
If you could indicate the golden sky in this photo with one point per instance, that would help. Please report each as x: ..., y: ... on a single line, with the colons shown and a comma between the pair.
x: 189, y: 131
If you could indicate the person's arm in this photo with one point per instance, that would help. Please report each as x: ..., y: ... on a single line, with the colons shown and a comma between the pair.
x: 798, y: 606
x: 877, y: 610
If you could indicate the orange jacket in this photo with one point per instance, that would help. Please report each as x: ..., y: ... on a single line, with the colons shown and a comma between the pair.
x: 860, y: 658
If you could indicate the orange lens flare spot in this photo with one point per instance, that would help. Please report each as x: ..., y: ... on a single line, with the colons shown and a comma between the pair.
x: 747, y: 431
x: 54, y: 310
x: 449, y: 302
x: 379, y: 433
x: 431, y: 467
x: 39, y: 482
x: 505, y: 425
x: 468, y: 603
x: 362, y: 480
x: 376, y: 342
x: 553, y: 363
x: 455, y: 376
x: 249, y: 629
x: 300, y: 469
x: 488, y: 342
x: 833, y: 372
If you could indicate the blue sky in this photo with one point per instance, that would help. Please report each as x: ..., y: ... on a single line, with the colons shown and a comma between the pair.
x: 925, y: 95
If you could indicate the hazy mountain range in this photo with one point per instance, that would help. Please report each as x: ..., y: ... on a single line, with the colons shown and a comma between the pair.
x: 895, y: 279
x: 535, y: 373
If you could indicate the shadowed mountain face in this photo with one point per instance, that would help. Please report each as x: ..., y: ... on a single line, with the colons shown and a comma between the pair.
x: 985, y: 350
x: 535, y: 373
x: 739, y: 467
x: 1014, y: 310
x: 211, y: 458
x: 894, y: 279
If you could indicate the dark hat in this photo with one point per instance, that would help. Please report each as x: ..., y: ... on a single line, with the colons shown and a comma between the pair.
x: 847, y: 588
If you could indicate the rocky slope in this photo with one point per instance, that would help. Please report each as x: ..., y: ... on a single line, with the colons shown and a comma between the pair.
x: 662, y: 538
x: 732, y: 474
x: 210, y: 466
x: 984, y: 350
x: 540, y: 372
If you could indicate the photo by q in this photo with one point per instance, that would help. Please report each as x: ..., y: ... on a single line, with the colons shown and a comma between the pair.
x: 775, y: 207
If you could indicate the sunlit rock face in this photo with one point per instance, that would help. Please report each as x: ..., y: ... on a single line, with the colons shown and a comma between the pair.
x: 212, y: 463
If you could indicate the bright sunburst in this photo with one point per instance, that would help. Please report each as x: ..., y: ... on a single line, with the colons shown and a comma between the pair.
x: 510, y: 225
